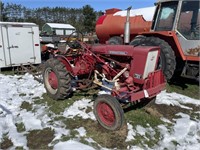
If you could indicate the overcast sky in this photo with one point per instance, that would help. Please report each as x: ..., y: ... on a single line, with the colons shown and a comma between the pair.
x: 96, y: 4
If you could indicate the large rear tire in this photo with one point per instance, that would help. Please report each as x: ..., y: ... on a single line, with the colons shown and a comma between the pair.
x: 108, y: 112
x: 137, y: 40
x: 57, y: 80
x: 167, y: 57
x: 115, y: 40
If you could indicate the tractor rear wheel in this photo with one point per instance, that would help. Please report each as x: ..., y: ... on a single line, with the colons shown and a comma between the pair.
x: 57, y: 80
x: 108, y: 112
x: 167, y: 57
x: 136, y: 41
x: 115, y: 40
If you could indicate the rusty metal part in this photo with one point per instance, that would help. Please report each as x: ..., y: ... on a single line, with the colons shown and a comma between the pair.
x: 85, y: 84
x: 36, y: 71
x: 194, y: 51
x: 123, y: 65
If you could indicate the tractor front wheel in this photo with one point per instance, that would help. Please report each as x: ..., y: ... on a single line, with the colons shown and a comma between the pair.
x: 108, y: 112
x: 57, y: 80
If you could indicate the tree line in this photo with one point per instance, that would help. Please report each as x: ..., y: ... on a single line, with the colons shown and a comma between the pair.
x: 83, y: 19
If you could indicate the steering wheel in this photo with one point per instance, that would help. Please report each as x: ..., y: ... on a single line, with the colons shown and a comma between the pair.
x: 73, y: 39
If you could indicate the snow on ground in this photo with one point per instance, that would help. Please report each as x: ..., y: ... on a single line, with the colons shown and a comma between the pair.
x: 69, y: 145
x: 79, y: 109
x: 182, y: 133
x: 16, y: 89
x: 175, y: 99
x: 185, y: 132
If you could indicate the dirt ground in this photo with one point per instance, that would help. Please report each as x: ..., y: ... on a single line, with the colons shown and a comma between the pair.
x: 168, y: 112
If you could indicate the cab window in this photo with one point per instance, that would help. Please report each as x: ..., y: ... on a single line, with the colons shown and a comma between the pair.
x: 189, y: 20
x: 167, y: 13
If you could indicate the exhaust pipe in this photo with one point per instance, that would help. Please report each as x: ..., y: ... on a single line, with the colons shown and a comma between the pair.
x: 127, y: 27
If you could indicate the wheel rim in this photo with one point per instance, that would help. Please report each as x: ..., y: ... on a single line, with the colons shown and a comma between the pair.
x: 51, y: 81
x: 106, y: 114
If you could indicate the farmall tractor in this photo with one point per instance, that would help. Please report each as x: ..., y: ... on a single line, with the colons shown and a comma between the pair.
x: 129, y: 73
x: 172, y: 24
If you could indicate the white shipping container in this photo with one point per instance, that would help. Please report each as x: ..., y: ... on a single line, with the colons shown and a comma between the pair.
x: 19, y: 44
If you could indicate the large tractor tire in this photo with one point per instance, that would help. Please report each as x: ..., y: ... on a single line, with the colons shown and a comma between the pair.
x: 115, y: 40
x: 136, y: 41
x: 167, y: 60
x: 57, y: 79
x: 108, y: 112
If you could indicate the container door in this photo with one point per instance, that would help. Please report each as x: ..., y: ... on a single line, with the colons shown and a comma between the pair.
x: 2, y: 56
x: 21, y: 45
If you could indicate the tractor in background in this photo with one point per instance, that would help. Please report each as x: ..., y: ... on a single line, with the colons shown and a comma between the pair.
x: 172, y: 25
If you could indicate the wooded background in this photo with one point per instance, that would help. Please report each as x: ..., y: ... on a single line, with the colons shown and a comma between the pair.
x: 83, y: 19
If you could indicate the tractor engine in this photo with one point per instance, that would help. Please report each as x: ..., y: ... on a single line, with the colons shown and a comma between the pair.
x: 124, y: 70
x: 84, y: 64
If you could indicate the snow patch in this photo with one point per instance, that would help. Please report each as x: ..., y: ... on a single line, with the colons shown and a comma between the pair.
x: 175, y: 99
x: 69, y: 145
x: 81, y: 131
x: 131, y: 133
x: 31, y: 121
x: 79, y: 109
x: 185, y: 134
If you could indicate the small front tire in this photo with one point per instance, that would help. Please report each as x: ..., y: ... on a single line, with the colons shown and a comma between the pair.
x: 109, y: 112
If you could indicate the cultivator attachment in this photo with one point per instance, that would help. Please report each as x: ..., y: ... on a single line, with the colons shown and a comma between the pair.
x: 36, y: 71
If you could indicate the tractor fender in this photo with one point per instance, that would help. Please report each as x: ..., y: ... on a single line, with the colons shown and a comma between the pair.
x: 67, y: 64
x: 171, y: 38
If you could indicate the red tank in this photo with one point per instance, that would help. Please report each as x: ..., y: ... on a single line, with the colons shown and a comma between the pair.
x: 113, y: 21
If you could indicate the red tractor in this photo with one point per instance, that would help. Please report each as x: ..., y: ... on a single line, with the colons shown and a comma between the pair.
x: 129, y: 73
x: 173, y: 25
